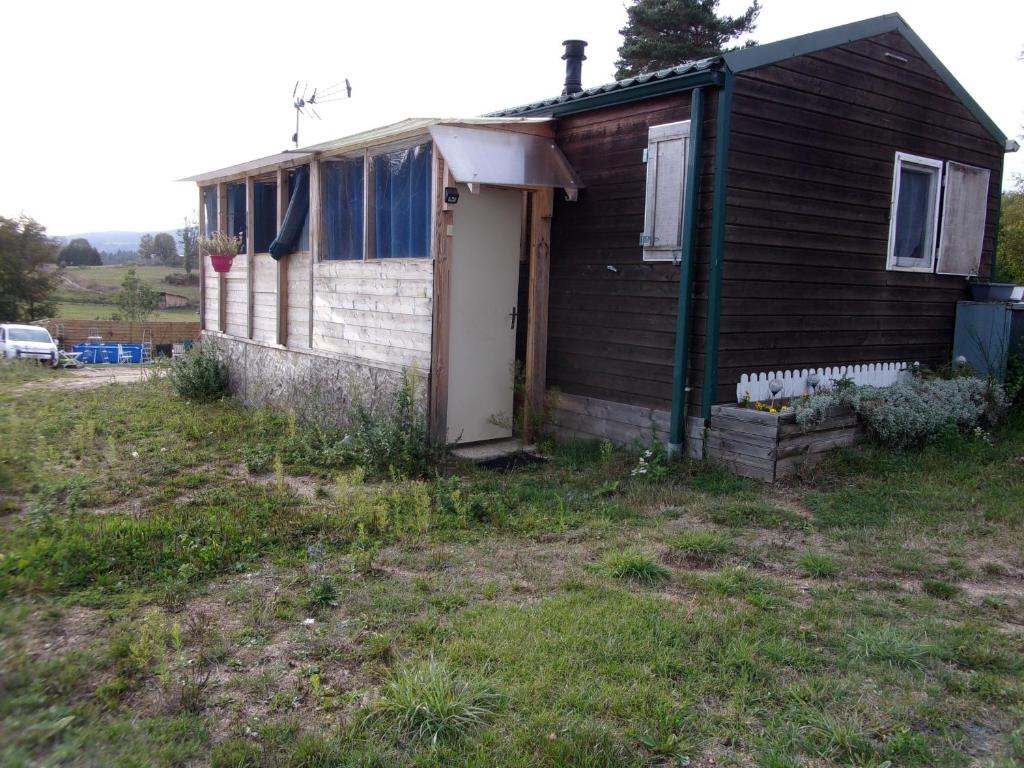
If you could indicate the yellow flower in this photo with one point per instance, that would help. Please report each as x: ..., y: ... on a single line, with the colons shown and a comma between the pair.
x: 772, y: 410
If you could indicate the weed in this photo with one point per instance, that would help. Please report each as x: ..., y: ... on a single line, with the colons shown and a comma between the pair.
x: 634, y: 565
x: 427, y: 702
x: 390, y: 439
x: 886, y: 644
x: 942, y: 590
x: 322, y: 593
x: 819, y: 565
x: 702, y: 547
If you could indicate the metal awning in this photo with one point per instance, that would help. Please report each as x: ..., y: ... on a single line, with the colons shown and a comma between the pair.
x: 477, y: 155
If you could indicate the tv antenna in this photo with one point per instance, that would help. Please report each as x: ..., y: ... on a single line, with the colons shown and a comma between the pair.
x: 303, y: 106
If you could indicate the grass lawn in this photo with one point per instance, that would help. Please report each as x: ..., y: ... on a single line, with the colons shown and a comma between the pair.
x: 186, y: 585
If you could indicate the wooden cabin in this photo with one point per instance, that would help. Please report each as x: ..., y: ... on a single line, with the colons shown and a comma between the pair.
x: 633, y: 249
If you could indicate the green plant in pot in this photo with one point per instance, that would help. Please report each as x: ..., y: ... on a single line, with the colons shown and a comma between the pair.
x: 221, y: 249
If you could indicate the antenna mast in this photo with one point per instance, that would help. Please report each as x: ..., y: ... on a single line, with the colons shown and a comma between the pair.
x: 337, y: 92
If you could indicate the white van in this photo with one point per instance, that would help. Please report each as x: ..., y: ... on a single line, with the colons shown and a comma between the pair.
x: 30, y: 342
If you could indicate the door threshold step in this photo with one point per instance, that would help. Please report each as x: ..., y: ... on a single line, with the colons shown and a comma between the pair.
x: 492, y: 449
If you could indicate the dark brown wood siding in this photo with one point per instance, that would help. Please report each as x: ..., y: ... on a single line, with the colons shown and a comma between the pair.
x: 813, y: 144
x: 611, y: 334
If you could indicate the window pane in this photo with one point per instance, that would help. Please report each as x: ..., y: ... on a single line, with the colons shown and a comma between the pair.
x: 343, y: 208
x: 401, y: 199
x: 264, y: 215
x: 914, y: 217
x: 236, y: 211
x: 210, y: 206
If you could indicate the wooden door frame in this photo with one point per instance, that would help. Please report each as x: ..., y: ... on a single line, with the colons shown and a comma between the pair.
x: 537, y: 305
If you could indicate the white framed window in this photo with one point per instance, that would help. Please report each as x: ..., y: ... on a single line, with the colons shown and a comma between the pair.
x: 666, y: 176
x: 964, y: 210
x: 914, y: 213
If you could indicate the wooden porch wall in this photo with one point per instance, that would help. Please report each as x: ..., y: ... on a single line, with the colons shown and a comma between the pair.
x: 236, y: 297
x: 379, y: 311
x: 264, y: 298
x: 810, y: 180
x: 612, y: 333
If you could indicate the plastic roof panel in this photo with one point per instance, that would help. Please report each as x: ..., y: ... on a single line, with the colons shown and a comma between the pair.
x: 509, y: 158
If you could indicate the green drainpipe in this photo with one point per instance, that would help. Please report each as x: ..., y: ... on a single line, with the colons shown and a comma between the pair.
x: 722, y: 126
x: 688, y: 239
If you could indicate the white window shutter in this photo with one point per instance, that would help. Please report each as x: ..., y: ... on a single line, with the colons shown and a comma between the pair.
x: 666, y: 176
x: 964, y: 211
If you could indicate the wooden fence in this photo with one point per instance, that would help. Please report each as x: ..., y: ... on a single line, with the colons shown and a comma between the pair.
x: 757, y: 386
x: 164, y: 333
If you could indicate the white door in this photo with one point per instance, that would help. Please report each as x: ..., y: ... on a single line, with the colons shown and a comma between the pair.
x: 484, y: 283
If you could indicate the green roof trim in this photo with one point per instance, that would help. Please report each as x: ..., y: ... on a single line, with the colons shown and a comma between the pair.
x: 744, y: 59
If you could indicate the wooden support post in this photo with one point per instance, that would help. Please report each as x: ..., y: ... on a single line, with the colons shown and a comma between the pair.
x: 444, y: 220
x: 315, y: 235
x: 250, y: 251
x: 537, y: 307
x: 203, y: 229
x: 282, y: 263
x: 222, y: 282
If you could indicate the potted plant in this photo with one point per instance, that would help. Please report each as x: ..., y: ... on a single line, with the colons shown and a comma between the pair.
x: 221, y: 249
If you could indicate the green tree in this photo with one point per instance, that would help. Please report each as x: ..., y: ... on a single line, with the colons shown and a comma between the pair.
x: 165, y: 249
x: 1010, y: 257
x: 136, y: 300
x: 146, y: 247
x: 190, y: 245
x: 664, y: 33
x: 27, y: 279
x: 79, y: 253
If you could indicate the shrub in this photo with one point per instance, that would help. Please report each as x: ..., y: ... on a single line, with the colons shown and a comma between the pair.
x: 702, y: 547
x: 390, y: 439
x: 910, y: 413
x: 199, y: 375
x: 427, y: 702
x: 634, y: 565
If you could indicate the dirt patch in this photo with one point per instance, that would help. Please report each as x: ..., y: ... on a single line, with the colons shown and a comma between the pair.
x: 91, y: 377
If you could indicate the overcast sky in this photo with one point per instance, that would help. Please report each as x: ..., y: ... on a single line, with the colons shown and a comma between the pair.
x: 106, y: 103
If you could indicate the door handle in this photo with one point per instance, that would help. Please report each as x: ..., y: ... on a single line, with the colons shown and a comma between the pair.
x: 513, y: 314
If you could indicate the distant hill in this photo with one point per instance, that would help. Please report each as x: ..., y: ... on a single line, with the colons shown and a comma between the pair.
x: 112, y: 242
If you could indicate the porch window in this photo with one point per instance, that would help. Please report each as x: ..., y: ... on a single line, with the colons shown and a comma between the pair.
x: 914, y: 213
x: 343, y: 208
x: 400, y: 182
x: 236, y: 211
x: 666, y: 176
x: 210, y: 209
x: 264, y: 201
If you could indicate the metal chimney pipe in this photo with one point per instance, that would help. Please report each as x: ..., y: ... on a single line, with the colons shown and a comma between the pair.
x: 574, y: 59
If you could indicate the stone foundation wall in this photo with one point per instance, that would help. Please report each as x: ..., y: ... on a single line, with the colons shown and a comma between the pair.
x: 319, y: 387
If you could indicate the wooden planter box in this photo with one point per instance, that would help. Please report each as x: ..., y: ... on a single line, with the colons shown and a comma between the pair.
x: 771, y: 446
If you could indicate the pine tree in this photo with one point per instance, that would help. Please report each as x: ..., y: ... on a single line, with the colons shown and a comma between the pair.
x: 665, y: 33
x: 27, y: 277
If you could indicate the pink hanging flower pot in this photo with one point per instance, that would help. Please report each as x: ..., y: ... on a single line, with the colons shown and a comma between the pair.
x: 221, y: 249
x: 222, y: 261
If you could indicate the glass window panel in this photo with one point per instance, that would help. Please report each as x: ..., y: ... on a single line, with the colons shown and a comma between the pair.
x: 236, y: 212
x: 914, y: 216
x: 343, y: 208
x: 264, y: 215
x: 401, y: 203
x: 210, y: 207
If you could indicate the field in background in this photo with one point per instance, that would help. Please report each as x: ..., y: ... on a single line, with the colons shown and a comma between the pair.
x: 90, y: 293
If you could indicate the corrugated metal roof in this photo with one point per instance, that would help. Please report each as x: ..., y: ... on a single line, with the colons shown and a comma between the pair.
x: 681, y: 70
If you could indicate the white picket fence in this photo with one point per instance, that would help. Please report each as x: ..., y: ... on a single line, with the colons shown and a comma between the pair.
x: 794, y: 383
